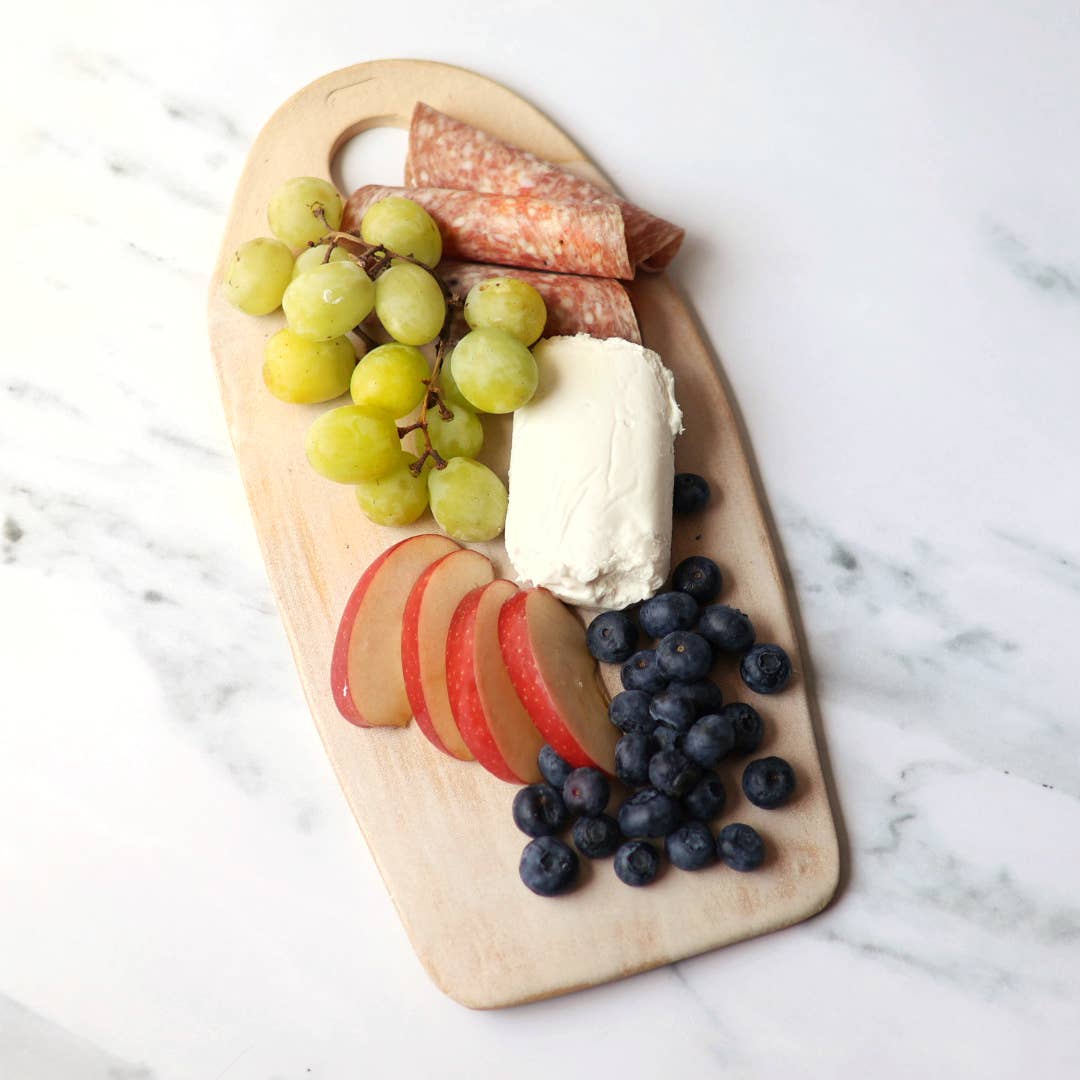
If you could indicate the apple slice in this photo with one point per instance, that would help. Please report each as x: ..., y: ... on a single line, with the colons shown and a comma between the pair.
x: 489, y: 714
x: 365, y: 670
x: 555, y: 677
x: 424, y: 629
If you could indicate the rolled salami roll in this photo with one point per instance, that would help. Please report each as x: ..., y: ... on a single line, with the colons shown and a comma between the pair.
x: 448, y: 153
x: 575, y: 305
x: 516, y: 230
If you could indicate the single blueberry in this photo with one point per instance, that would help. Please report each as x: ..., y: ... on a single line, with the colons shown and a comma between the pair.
x: 539, y: 810
x: 597, y: 837
x: 749, y: 728
x: 727, y: 629
x: 612, y: 637
x: 548, y: 866
x: 672, y: 709
x: 552, y: 767
x: 691, y: 846
x: 586, y: 791
x: 672, y: 772
x: 649, y: 813
x: 705, y: 799
x: 710, y: 740
x: 670, y: 611
x: 698, y: 577
x: 768, y: 782
x: 632, y: 753
x: 704, y: 694
x: 684, y: 656
x: 691, y: 493
x: 666, y: 738
x: 629, y: 711
x: 636, y: 863
x: 642, y: 672
x: 765, y: 669
x: 740, y: 847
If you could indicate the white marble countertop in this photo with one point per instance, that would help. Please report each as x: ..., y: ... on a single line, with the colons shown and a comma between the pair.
x: 885, y: 250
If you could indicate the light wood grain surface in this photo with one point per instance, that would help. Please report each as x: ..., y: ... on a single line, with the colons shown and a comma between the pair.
x: 440, y: 830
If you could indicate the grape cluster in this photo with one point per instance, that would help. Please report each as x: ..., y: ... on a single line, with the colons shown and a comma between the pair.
x: 341, y: 284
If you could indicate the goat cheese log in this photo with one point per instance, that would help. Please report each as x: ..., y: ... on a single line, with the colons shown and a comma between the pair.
x: 592, y: 468
x: 516, y: 230
x: 575, y: 305
x: 448, y: 153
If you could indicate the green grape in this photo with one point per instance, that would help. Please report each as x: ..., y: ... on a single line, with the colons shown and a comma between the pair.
x: 305, y: 372
x: 257, y: 277
x: 494, y: 371
x: 451, y: 394
x: 390, y: 378
x: 404, y: 227
x: 292, y: 210
x: 352, y: 444
x: 311, y: 257
x: 468, y: 500
x: 508, y: 304
x: 409, y: 303
x: 398, y: 498
x: 328, y: 301
x: 461, y: 437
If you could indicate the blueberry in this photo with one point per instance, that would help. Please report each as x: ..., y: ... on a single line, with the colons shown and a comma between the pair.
x: 632, y: 753
x: 684, y: 656
x: 548, y: 866
x: 597, y: 837
x: 691, y: 493
x: 539, y: 810
x: 649, y: 813
x: 748, y: 726
x: 586, y: 791
x: 704, y: 694
x: 672, y: 772
x: 740, y: 847
x: 667, y: 612
x: 710, y: 740
x: 706, y: 799
x: 697, y: 577
x: 636, y: 863
x: 672, y: 709
x: 552, y: 767
x: 765, y: 669
x: 642, y: 672
x: 726, y: 628
x: 691, y: 846
x: 612, y: 637
x: 666, y: 738
x: 768, y: 782
x: 629, y: 711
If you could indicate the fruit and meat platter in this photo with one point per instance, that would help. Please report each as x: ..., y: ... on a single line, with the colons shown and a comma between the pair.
x: 486, y: 299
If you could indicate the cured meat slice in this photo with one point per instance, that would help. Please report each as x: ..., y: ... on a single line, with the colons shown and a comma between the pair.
x: 575, y: 305
x: 516, y: 230
x: 448, y: 153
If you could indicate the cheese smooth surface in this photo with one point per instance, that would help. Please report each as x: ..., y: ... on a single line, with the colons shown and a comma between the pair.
x: 592, y: 465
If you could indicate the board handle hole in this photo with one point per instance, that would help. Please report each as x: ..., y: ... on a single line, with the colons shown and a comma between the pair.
x: 373, y: 155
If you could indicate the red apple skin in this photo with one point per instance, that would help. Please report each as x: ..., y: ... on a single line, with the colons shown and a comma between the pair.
x: 467, y: 699
x: 531, y: 687
x: 425, y: 625
x: 339, y: 662
x: 410, y: 659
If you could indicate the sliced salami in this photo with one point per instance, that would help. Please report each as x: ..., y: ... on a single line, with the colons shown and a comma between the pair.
x: 516, y: 230
x: 575, y: 305
x: 448, y: 153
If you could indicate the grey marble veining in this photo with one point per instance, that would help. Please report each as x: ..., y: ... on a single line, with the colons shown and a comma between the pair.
x: 885, y: 252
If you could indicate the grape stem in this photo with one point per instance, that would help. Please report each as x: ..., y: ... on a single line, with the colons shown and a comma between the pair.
x: 373, y: 259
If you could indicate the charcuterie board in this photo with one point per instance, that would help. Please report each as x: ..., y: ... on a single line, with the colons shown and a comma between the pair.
x: 440, y: 830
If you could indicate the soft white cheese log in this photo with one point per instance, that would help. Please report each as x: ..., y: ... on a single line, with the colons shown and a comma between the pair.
x: 592, y: 465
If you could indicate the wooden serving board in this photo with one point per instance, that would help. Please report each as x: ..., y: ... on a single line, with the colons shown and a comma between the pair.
x: 440, y: 830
